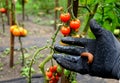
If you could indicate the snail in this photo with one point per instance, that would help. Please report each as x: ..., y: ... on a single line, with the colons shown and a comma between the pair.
x: 89, y: 56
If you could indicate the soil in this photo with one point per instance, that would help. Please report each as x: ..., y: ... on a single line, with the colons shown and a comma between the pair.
x: 38, y: 36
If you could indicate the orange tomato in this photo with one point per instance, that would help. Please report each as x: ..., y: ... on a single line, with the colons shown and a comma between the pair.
x: 21, y: 30
x: 16, y: 32
x: 24, y: 33
x: 12, y: 28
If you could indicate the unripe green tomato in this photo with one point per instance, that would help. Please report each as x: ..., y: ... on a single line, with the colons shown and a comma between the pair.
x: 117, y: 31
x: 74, y: 81
x: 59, y: 69
x: 66, y: 72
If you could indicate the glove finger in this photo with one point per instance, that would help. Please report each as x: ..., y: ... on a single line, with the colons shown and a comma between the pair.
x: 96, y: 28
x: 73, y: 63
x: 74, y: 50
x: 75, y: 41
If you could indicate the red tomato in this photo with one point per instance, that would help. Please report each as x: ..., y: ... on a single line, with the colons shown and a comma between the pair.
x: 65, y: 17
x: 50, y: 81
x: 55, y: 68
x: 54, y: 79
x: 3, y: 10
x: 49, y: 74
x: 75, y: 24
x: 65, y: 30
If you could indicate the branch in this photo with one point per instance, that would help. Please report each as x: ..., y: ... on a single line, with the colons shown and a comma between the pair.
x: 87, y: 7
x: 91, y: 15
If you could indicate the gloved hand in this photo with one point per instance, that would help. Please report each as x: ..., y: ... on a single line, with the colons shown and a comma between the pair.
x: 105, y: 50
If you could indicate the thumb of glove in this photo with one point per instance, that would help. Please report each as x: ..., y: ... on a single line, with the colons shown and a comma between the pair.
x: 96, y: 28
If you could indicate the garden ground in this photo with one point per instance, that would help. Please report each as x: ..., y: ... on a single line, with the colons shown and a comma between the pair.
x: 40, y: 30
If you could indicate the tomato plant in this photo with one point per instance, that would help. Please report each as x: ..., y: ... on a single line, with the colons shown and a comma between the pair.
x: 88, y: 9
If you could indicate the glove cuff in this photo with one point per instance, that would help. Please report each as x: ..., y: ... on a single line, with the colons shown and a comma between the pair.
x: 116, y: 68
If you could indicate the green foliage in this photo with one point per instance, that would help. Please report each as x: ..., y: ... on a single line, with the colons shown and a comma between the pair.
x: 1, y: 66
x: 37, y: 6
x: 63, y: 3
x: 25, y: 71
x: 5, y: 52
x: 2, y: 3
x: 107, y: 14
x: 109, y: 18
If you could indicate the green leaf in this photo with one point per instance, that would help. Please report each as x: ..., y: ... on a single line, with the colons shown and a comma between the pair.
x: 106, y: 25
x: 109, y: 1
x: 90, y: 34
x: 91, y: 1
x: 98, y: 16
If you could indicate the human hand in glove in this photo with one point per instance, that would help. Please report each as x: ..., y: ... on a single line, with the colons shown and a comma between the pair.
x: 104, y: 53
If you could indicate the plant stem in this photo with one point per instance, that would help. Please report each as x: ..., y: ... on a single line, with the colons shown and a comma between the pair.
x: 23, y: 10
x: 3, y: 25
x: 33, y: 58
x: 12, y: 22
x: 91, y: 15
x: 49, y: 57
x: 21, y: 48
x: 88, y: 9
x: 41, y: 66
x: 75, y: 7
x: 56, y: 14
x: 7, y: 8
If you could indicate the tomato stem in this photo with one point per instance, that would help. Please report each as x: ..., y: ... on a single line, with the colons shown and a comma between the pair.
x: 3, y: 25
x: 21, y: 48
x: 49, y: 57
x: 91, y: 15
x: 12, y: 22
x: 33, y: 58
x: 41, y: 66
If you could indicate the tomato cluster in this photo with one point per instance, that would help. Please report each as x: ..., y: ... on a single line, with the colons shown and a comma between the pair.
x: 52, y: 74
x: 3, y: 10
x: 18, y: 31
x: 69, y: 24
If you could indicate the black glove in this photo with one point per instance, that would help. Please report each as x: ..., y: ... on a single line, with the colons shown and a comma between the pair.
x: 105, y: 49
